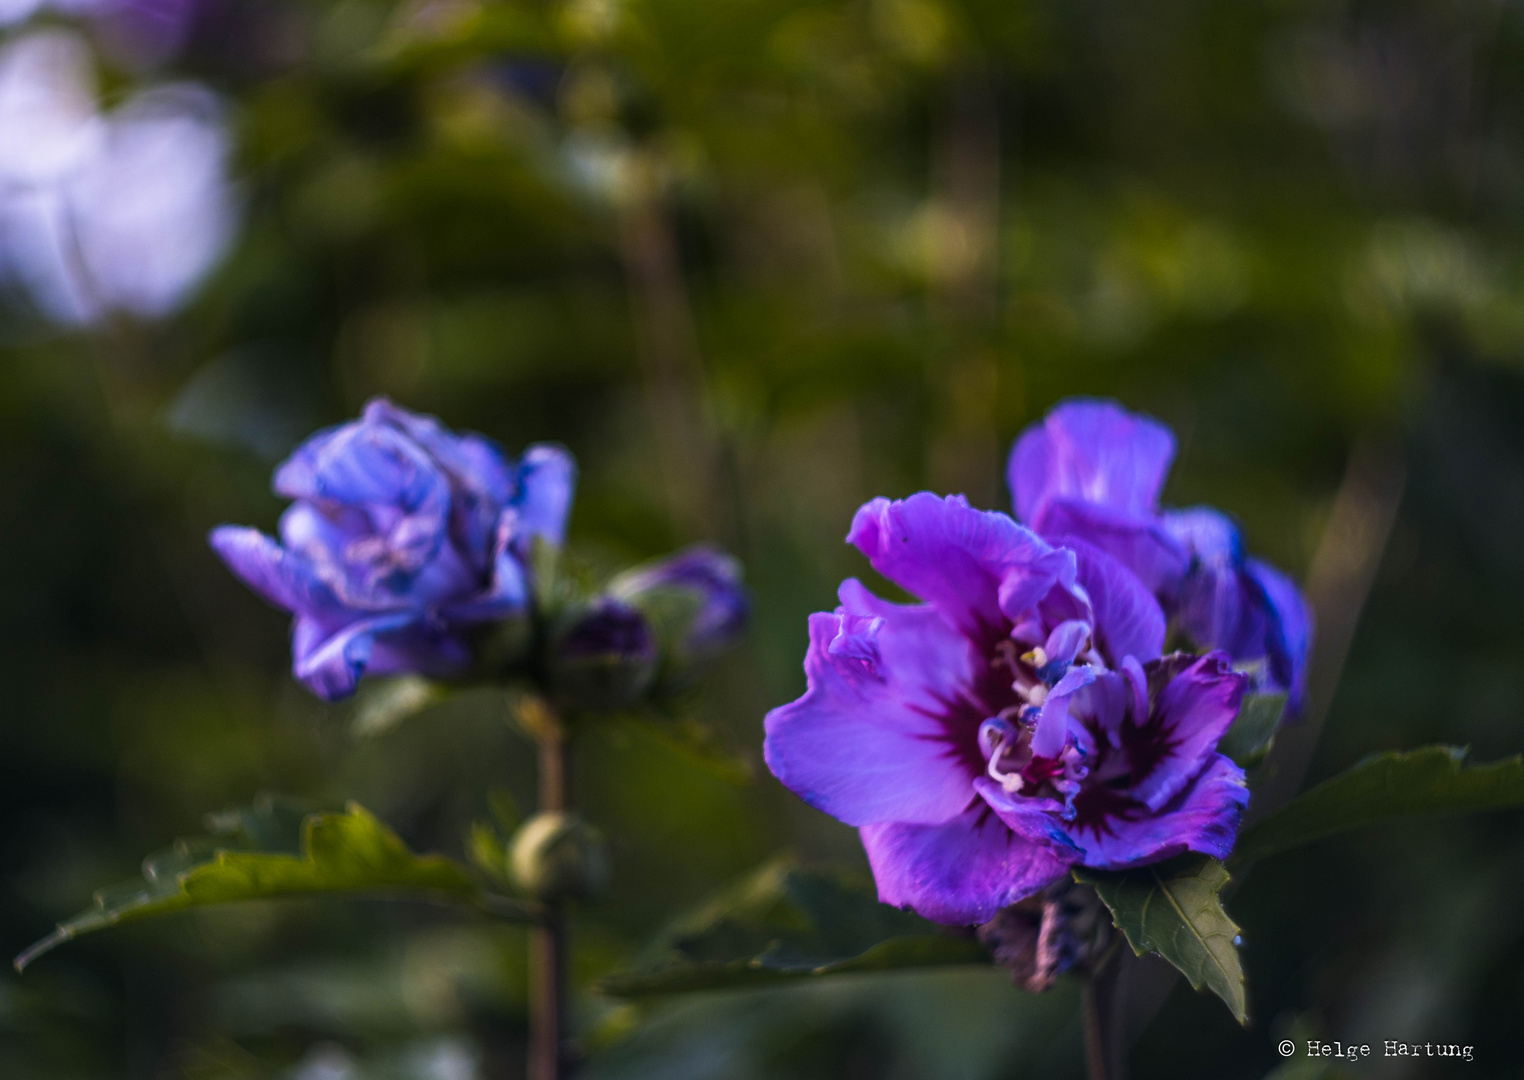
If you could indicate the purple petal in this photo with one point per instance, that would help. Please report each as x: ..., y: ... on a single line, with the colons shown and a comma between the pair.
x: 547, y: 481
x: 1065, y: 641
x: 281, y: 577
x: 1192, y: 712
x: 418, y: 649
x: 1207, y: 534
x: 476, y: 462
x: 362, y: 463
x: 1117, y: 832
x: 331, y: 660
x: 1102, y: 708
x: 1052, y: 730
x: 1094, y: 452
x: 1291, y: 637
x: 963, y: 871
x: 1128, y: 620
x: 884, y: 744
x: 508, y: 592
x: 980, y: 569
x: 1138, y: 543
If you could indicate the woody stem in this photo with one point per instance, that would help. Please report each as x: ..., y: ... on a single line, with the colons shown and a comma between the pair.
x: 550, y: 1055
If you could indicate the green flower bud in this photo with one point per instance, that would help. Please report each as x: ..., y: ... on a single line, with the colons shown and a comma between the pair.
x: 602, y: 657
x: 557, y: 856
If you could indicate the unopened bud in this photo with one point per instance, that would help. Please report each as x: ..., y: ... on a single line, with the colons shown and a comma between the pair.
x: 695, y: 601
x: 557, y: 856
x: 602, y: 657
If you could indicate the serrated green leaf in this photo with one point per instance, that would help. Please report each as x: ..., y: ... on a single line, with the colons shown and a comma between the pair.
x: 785, y: 923
x: 1248, y: 740
x: 1386, y: 787
x: 350, y: 852
x: 1174, y: 908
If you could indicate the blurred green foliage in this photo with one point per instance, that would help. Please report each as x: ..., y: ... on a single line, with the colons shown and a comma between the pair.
x: 756, y: 262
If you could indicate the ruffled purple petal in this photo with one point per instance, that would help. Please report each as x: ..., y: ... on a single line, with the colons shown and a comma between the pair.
x: 1192, y: 712
x: 884, y: 741
x: 1094, y: 452
x: 980, y: 569
x: 476, y: 463
x: 508, y: 591
x: 1207, y: 534
x: 547, y: 482
x: 1291, y: 638
x: 330, y: 660
x: 1139, y: 543
x: 963, y: 871
x: 367, y: 464
x: 1128, y: 620
x: 281, y: 577
x: 1052, y: 729
x: 1117, y: 832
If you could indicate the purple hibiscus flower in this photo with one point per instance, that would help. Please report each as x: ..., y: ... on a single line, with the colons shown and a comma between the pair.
x: 404, y: 538
x: 1018, y: 721
x: 1092, y: 471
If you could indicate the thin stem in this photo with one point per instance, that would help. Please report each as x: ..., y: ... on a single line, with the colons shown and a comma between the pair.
x: 1104, y: 1057
x: 550, y: 1055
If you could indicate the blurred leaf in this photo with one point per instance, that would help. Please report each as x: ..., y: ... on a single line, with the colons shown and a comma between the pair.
x: 1386, y: 787
x: 697, y: 743
x: 1248, y: 740
x: 428, y: 36
x: 786, y: 923
x: 349, y: 852
x: 1173, y: 908
x: 382, y: 704
x: 488, y: 852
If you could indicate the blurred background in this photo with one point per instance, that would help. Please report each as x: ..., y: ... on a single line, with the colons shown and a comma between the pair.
x: 755, y: 262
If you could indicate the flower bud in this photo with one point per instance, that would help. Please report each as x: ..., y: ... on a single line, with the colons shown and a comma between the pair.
x: 557, y: 856
x: 695, y: 601
x: 602, y: 656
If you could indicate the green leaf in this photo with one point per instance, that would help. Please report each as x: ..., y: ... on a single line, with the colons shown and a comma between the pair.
x: 1174, y: 908
x: 273, y: 850
x: 1248, y: 740
x: 1386, y: 787
x: 695, y: 742
x: 785, y: 923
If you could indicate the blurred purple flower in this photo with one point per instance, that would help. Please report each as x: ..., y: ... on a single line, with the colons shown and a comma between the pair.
x: 140, y: 33
x: 403, y: 539
x: 695, y: 596
x: 1018, y: 721
x: 1091, y: 471
x: 98, y: 213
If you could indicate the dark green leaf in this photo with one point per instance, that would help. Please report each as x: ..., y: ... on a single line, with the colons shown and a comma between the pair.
x: 1248, y: 740
x: 1174, y: 909
x: 1386, y: 787
x: 260, y: 855
x: 786, y: 923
